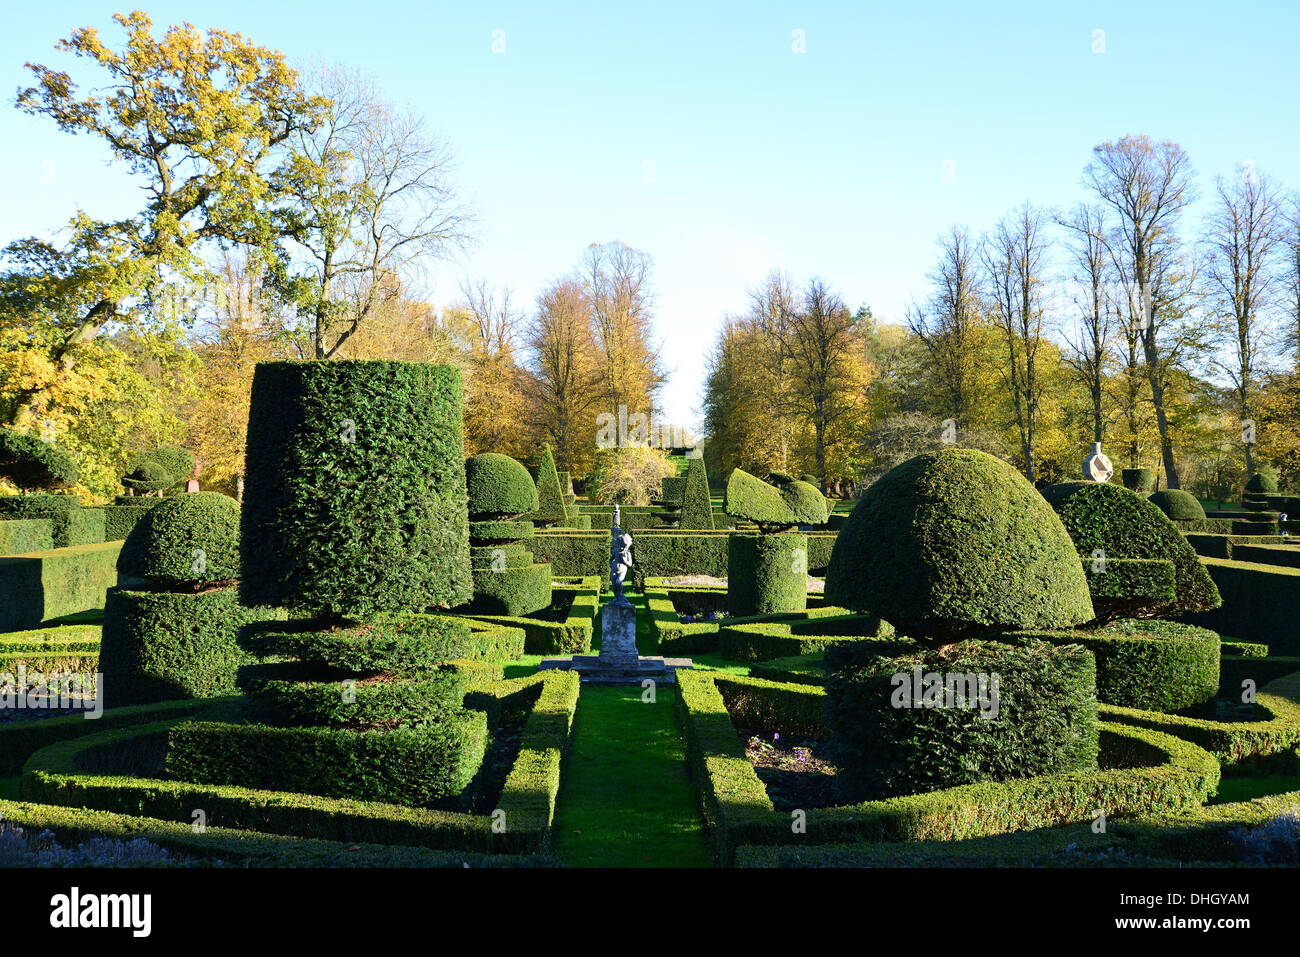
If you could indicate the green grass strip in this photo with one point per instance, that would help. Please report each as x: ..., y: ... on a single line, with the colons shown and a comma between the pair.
x: 626, y: 799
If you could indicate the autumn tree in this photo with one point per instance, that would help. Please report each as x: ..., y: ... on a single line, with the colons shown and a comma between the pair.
x: 616, y: 282
x: 948, y: 324
x: 1243, y: 237
x: 202, y: 120
x: 1089, y: 354
x: 1147, y: 186
x: 1014, y: 262
x: 495, y: 385
x: 370, y: 203
x: 565, y: 384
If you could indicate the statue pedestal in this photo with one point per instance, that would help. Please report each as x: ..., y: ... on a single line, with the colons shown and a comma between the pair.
x: 618, y: 635
x: 618, y: 661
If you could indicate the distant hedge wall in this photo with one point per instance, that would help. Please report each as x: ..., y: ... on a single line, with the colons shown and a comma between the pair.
x: 22, y: 535
x: 45, y: 585
x: 1259, y: 604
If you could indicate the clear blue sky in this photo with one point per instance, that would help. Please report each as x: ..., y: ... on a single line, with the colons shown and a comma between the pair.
x: 829, y: 161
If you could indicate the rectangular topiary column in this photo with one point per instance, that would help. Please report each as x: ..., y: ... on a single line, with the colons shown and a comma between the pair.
x: 354, y: 501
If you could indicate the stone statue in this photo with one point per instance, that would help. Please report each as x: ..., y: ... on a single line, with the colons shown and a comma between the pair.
x: 1097, y: 467
x: 620, y: 559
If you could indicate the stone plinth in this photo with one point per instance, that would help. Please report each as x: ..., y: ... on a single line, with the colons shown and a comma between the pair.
x: 618, y: 661
x: 618, y: 635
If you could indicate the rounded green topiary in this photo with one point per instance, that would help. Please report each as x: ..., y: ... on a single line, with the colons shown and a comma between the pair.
x: 31, y: 463
x: 498, y: 486
x: 951, y: 544
x: 1138, y: 480
x: 159, y: 469
x: 753, y: 500
x: 1108, y: 522
x: 806, y: 501
x: 185, y: 542
x: 1265, y: 480
x: 1180, y: 506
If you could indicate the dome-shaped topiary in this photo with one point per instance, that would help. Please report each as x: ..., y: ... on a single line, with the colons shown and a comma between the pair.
x: 806, y: 501
x: 159, y: 469
x: 953, y: 543
x: 1109, y: 522
x: 1178, y: 505
x: 31, y: 463
x: 499, y: 486
x: 1265, y: 480
x: 185, y: 542
x: 753, y: 500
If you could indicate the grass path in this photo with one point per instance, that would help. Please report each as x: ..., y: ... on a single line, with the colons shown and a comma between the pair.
x: 625, y: 799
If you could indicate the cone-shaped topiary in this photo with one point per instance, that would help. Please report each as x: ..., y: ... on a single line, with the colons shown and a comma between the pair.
x: 550, y: 497
x: 189, y: 540
x: 752, y: 500
x: 697, y: 509
x: 807, y: 503
x: 33, y: 464
x: 1178, y: 505
x: 1109, y: 524
x: 951, y: 544
x: 498, y: 487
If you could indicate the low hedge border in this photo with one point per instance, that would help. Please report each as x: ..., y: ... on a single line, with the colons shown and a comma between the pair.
x: 19, y: 740
x: 1244, y: 649
x: 248, y: 849
x: 1287, y: 556
x: 1150, y: 665
x: 766, y: 640
x: 1222, y: 545
x: 62, y: 648
x: 675, y: 637
x: 405, y: 646
x: 412, y: 766
x: 1174, y: 774
x: 1234, y: 669
x: 1231, y: 742
x: 569, y: 637
x: 787, y: 707
x: 574, y: 554
x: 50, y: 776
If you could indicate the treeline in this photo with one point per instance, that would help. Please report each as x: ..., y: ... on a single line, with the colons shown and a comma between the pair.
x: 1173, y: 343
x: 289, y: 215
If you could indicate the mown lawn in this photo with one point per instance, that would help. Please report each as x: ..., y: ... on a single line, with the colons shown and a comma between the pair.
x: 625, y: 798
x: 1249, y: 788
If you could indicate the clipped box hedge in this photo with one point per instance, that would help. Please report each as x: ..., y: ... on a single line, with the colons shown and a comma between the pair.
x: 65, y: 648
x: 226, y: 846
x: 417, y: 767
x: 162, y: 645
x: 1153, y: 665
x: 1259, y: 604
x: 1276, y: 730
x: 70, y: 523
x: 572, y: 636
x: 1170, y: 775
x: 21, y: 535
x: 41, y: 586
x: 120, y: 519
x: 56, y: 755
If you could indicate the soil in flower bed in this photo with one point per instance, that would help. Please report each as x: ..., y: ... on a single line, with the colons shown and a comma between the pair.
x: 792, y: 768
